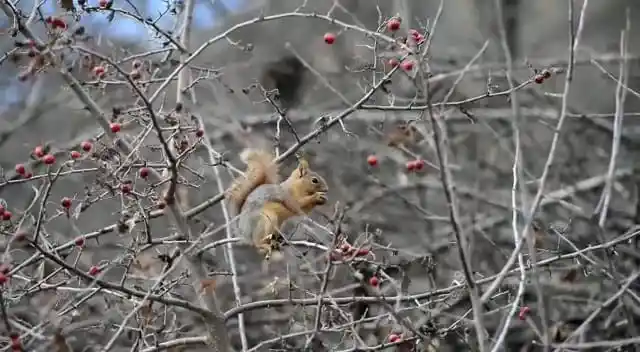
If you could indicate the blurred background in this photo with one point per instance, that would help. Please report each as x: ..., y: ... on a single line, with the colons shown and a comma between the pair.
x: 390, y: 206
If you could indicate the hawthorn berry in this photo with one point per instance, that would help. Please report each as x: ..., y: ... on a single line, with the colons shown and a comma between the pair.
x: 362, y: 252
x: 329, y: 38
x: 20, y: 169
x: 538, y: 79
x: 407, y: 65
x: 393, y: 338
x: 125, y: 188
x: 372, y: 160
x: 199, y: 132
x: 3, y: 279
x: 94, y: 270
x: 99, y: 71
x: 411, y: 165
x: 16, y: 345
x: 79, y: 241
x: 393, y: 24
x: 39, y: 151
x: 86, y: 146
x: 5, y: 268
x: 144, y: 172
x: 524, y: 311
x: 115, y: 127
x: 28, y: 175
x: 417, y: 36
x: 20, y: 236
x: 419, y: 164
x: 75, y: 154
x: 49, y: 159
x: 6, y: 216
x: 56, y: 22
x: 374, y: 281
x: 105, y: 4
x: 66, y: 202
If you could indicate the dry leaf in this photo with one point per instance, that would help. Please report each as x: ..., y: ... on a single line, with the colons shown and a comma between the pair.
x: 67, y: 5
x: 208, y: 285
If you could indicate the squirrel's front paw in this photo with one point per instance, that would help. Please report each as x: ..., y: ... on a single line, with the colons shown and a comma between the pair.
x: 320, y: 198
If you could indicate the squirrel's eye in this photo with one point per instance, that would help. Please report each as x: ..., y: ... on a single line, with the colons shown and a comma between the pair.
x: 314, y: 180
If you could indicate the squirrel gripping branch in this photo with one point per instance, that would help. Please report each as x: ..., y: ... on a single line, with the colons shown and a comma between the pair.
x: 263, y: 203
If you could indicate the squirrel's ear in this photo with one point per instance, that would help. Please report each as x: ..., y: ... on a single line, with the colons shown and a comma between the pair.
x: 303, y: 164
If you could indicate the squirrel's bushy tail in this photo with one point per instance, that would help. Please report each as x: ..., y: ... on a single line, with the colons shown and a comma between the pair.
x: 261, y: 170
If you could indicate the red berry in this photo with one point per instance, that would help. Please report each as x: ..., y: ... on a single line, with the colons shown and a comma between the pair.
x: 394, y: 338
x: 374, y: 281
x: 16, y: 345
x: 3, y: 279
x: 546, y: 74
x: 415, y: 34
x: 20, y: 236
x: 372, y: 160
x: 393, y: 24
x: 28, y: 175
x: 362, y: 252
x: 419, y: 164
x: 38, y: 151
x: 58, y: 23
x: 14, y: 336
x: 333, y: 256
x: 199, y: 132
x: 407, y: 65
x: 66, y: 202
x: 99, y: 71
x: 115, y: 127
x: 6, y: 216
x: 538, y: 79
x: 524, y: 311
x: 125, y: 188
x: 393, y: 62
x: 94, y: 270
x: 105, y: 4
x: 5, y: 268
x: 144, y: 172
x: 49, y: 159
x: 79, y: 241
x: 86, y: 146
x: 411, y: 165
x: 75, y: 154
x: 329, y: 38
x: 20, y: 169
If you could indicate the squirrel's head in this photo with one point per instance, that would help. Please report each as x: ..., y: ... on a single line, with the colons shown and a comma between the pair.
x: 309, y: 182
x: 314, y: 183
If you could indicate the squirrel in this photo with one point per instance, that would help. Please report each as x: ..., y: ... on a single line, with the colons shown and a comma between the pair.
x: 262, y: 203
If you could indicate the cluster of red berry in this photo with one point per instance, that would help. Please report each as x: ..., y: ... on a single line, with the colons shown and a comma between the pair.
x: 346, y: 251
x: 5, y: 215
x: 412, y: 165
x: 542, y: 76
x: 56, y: 22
